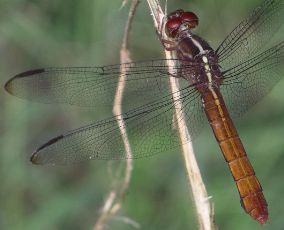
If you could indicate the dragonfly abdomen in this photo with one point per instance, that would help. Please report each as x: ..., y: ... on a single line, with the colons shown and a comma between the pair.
x: 252, y: 198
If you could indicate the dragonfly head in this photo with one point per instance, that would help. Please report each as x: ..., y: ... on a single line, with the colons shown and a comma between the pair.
x: 179, y: 19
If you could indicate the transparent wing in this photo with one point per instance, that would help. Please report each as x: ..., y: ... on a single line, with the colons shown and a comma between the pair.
x: 93, y: 86
x: 250, y: 36
x: 245, y: 84
x: 149, y: 122
x: 150, y: 128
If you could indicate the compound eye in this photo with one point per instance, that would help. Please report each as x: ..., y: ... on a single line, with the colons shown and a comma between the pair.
x: 175, y: 14
x: 190, y: 19
x: 172, y: 26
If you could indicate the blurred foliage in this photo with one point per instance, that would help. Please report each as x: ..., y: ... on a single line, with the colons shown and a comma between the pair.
x: 36, y: 33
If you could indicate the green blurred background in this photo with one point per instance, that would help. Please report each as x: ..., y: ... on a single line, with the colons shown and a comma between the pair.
x: 38, y: 33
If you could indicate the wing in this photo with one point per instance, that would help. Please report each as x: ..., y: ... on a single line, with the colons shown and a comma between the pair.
x: 93, y: 86
x: 150, y: 129
x: 245, y: 84
x: 251, y: 35
x: 149, y: 122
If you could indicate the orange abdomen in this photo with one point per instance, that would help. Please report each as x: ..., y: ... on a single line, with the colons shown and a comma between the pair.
x: 252, y: 198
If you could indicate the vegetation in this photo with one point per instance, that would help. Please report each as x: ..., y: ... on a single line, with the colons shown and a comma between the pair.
x: 37, y: 33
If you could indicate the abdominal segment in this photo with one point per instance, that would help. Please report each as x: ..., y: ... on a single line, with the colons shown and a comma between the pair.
x: 252, y: 198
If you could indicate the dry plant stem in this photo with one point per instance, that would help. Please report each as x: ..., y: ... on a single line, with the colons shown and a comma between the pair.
x: 117, y: 110
x: 200, y: 196
x: 114, y: 199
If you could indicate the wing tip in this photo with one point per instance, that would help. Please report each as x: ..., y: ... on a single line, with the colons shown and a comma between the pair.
x: 30, y: 73
x: 35, y: 157
x: 7, y: 85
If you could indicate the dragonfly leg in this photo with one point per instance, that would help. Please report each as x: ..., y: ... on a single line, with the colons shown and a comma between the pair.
x: 168, y: 45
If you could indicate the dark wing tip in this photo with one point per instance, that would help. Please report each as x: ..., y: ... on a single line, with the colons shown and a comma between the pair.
x: 35, y: 157
x: 7, y: 85
x: 21, y: 75
x: 30, y: 73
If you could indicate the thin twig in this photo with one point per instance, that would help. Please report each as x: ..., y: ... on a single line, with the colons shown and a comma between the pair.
x: 200, y: 197
x: 114, y: 199
x: 117, y: 110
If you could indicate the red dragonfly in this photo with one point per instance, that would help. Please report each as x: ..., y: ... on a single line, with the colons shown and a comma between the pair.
x: 216, y: 84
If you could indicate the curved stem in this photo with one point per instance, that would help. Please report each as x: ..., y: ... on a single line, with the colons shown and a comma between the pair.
x: 114, y: 199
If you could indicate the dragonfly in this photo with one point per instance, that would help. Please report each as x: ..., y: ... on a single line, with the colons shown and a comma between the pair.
x: 216, y: 85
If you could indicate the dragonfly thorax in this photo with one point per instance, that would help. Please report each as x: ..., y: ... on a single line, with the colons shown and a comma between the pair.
x: 198, y: 60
